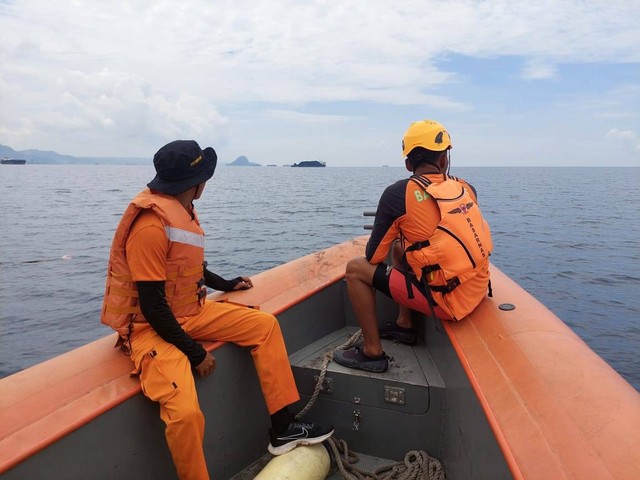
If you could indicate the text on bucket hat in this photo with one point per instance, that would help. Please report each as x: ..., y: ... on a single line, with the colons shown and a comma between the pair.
x: 181, y: 165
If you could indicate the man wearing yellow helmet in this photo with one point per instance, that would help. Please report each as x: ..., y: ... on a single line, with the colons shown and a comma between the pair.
x: 439, y: 242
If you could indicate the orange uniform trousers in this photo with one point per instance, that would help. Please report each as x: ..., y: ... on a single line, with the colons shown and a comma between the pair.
x: 167, y: 378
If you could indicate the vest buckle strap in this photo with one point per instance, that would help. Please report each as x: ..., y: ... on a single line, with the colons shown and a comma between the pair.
x: 448, y: 288
x: 431, y: 268
x: 418, y: 246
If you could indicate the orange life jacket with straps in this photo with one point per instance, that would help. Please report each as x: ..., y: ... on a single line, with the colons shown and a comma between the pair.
x: 184, y: 267
x: 454, y: 260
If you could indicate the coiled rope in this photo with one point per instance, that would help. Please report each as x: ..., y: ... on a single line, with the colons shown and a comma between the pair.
x: 417, y: 464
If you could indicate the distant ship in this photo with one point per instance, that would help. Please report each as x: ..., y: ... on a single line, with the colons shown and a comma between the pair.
x: 310, y: 163
x: 12, y: 161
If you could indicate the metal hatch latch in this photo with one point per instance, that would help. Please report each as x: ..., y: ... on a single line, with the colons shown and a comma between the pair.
x: 394, y: 395
x: 356, y: 420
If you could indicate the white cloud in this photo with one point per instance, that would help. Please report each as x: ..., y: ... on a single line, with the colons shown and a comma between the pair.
x: 113, y: 112
x: 538, y: 71
x: 628, y: 136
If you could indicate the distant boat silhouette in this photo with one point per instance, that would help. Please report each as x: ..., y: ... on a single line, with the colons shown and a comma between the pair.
x: 12, y: 161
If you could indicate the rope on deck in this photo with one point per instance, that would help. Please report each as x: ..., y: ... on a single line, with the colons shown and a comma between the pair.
x: 417, y: 464
x: 328, y: 356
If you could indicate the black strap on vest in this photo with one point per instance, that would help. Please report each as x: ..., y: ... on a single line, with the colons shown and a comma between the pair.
x: 448, y: 288
x: 407, y: 279
x: 421, y: 181
x: 431, y: 268
x: 430, y: 300
x: 418, y: 246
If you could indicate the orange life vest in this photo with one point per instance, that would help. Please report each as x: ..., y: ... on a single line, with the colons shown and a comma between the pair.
x: 184, y: 266
x: 454, y: 260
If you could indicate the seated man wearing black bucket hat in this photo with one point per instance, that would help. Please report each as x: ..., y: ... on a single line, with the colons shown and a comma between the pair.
x: 155, y: 300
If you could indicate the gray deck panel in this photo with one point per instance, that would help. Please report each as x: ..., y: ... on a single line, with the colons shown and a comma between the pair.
x: 409, y: 364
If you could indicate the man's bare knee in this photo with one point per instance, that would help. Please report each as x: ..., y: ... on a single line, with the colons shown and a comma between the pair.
x: 360, y: 269
x: 356, y: 265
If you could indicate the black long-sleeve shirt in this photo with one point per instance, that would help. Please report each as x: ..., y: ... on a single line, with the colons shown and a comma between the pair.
x: 157, y: 312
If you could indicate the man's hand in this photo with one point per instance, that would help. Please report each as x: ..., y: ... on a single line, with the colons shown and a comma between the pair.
x: 206, y: 366
x: 244, y: 284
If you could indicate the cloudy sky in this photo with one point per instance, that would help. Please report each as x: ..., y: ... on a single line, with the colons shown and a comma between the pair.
x: 550, y: 82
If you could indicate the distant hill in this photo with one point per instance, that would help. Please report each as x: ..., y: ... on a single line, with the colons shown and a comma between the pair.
x: 43, y: 157
x: 50, y: 157
x: 243, y: 161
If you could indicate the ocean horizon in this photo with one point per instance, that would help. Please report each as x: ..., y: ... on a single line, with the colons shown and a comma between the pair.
x: 568, y: 235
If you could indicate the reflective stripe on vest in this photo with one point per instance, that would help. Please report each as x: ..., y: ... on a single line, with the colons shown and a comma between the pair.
x: 184, y: 236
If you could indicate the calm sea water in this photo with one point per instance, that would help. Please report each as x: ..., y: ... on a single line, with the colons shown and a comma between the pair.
x: 570, y: 236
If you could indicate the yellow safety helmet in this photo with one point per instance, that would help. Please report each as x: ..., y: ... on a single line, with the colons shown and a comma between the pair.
x: 427, y: 134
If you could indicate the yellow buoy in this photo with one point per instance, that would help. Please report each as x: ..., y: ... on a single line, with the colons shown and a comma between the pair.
x: 309, y: 462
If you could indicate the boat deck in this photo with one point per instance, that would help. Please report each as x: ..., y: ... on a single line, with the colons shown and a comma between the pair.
x: 363, y: 406
x: 383, y: 416
x: 360, y: 403
x: 408, y: 364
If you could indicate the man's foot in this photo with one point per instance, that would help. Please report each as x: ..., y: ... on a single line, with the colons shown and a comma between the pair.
x: 395, y: 332
x: 298, y: 433
x: 356, y: 358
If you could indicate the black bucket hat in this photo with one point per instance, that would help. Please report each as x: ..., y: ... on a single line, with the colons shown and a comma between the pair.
x: 181, y: 165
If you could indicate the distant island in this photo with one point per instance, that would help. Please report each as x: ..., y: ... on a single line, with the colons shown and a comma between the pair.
x: 48, y: 157
x: 243, y: 161
x: 310, y: 163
